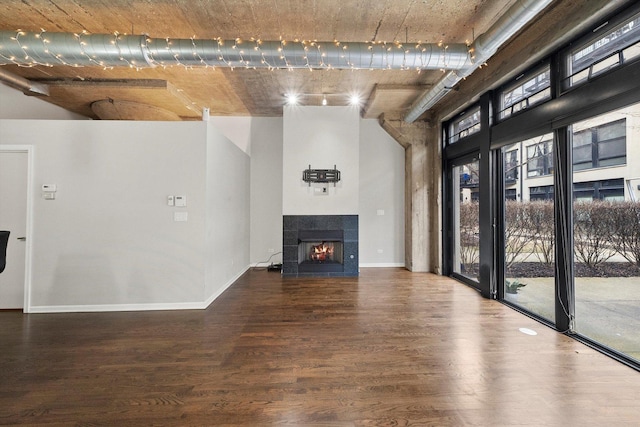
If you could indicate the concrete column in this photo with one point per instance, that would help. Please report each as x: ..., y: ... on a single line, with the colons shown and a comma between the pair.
x: 421, y: 201
x: 434, y: 198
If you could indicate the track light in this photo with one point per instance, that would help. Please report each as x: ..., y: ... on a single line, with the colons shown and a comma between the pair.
x: 337, y: 99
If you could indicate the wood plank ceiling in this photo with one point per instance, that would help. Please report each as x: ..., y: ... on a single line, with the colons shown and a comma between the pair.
x: 184, y: 92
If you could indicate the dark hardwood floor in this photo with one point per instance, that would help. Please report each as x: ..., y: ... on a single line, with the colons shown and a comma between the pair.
x: 390, y: 348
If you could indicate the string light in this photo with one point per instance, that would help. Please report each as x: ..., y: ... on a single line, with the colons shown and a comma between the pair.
x: 273, y: 55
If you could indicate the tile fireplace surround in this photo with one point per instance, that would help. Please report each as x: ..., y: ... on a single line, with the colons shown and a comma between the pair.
x: 293, y: 224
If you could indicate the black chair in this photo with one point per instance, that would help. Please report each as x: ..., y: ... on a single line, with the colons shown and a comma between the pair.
x: 4, y: 240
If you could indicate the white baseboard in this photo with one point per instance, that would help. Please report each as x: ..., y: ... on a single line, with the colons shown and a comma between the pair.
x: 382, y: 265
x: 136, y: 307
x: 116, y: 307
x: 213, y: 297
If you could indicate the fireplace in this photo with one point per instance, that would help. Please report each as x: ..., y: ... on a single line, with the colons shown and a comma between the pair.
x: 320, y: 251
x: 320, y: 245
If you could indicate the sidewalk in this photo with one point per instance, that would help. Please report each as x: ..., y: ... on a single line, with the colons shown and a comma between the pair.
x: 607, y: 308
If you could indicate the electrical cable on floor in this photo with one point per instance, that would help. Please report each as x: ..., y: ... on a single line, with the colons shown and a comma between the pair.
x: 257, y: 266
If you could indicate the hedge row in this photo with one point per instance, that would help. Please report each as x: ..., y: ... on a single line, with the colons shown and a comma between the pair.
x: 602, y: 229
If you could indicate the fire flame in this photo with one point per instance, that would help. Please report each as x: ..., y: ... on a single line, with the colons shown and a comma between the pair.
x: 321, y: 252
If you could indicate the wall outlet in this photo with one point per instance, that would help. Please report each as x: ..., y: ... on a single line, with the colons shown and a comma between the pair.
x: 322, y: 190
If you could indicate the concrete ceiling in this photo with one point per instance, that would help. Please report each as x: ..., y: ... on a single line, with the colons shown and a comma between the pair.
x: 181, y: 93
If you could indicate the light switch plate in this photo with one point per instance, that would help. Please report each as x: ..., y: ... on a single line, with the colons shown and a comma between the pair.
x: 180, y: 216
x: 181, y: 201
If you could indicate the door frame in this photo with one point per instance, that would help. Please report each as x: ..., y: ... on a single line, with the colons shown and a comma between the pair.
x: 29, y: 150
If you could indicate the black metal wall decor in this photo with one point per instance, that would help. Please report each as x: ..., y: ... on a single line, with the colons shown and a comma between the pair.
x: 321, y: 175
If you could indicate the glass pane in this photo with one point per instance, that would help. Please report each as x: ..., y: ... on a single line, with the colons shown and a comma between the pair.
x: 539, y: 158
x: 579, y: 77
x: 467, y: 125
x: 597, y: 144
x: 511, y: 166
x: 631, y: 52
x: 540, y: 96
x: 526, y: 94
x: 612, y: 130
x: 582, y: 155
x: 601, y: 54
x: 529, y: 231
x: 605, y: 64
x: 606, y: 215
x: 466, y: 254
x: 615, y: 150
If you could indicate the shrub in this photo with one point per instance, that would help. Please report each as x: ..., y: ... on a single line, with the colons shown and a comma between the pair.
x: 469, y: 241
x: 517, y: 230
x: 542, y: 225
x: 626, y: 230
x: 593, y: 227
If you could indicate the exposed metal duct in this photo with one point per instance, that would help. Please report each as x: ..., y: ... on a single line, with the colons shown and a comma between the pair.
x: 26, y: 86
x: 139, y: 51
x: 481, y: 50
x: 116, y: 50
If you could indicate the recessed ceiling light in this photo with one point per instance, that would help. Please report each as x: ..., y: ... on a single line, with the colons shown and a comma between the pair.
x: 354, y: 99
x: 292, y: 99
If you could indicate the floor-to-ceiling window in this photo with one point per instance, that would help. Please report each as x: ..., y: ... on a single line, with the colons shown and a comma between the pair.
x: 606, y: 228
x: 466, y: 220
x: 552, y: 217
x: 462, y: 202
x: 528, y: 225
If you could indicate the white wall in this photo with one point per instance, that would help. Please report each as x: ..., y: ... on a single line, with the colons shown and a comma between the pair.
x: 236, y: 129
x: 109, y: 241
x: 227, y: 194
x: 266, y: 190
x: 381, y: 210
x: 380, y: 181
x: 16, y: 105
x: 321, y: 137
x: 109, y: 238
x: 261, y: 138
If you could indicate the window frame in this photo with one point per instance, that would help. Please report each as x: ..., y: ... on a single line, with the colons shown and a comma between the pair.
x: 616, y: 55
x: 611, y: 90
x: 456, y: 126
x: 521, y: 81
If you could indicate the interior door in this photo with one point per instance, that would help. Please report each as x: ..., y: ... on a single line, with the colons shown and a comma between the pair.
x: 13, y: 217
